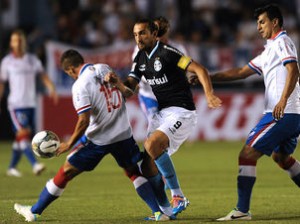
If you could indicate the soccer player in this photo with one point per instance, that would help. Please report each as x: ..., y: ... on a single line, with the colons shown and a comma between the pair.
x: 20, y: 70
x: 164, y: 68
x: 103, y: 121
x: 276, y: 133
x: 147, y: 99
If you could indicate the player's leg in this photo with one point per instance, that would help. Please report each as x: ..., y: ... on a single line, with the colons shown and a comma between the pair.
x: 127, y: 155
x: 289, y: 164
x: 156, y: 144
x: 22, y: 120
x: 15, y: 158
x: 290, y: 123
x: 150, y: 171
x: 168, y: 131
x: 267, y: 137
x: 53, y: 189
x: 247, y: 160
x: 82, y: 158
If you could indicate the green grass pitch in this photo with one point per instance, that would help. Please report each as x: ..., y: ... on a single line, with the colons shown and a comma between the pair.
x: 207, y: 173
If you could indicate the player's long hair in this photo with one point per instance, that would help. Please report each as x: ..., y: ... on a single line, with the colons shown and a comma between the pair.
x: 150, y: 23
x: 163, y: 25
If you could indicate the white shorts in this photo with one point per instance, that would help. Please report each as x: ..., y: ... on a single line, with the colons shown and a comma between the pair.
x: 176, y: 122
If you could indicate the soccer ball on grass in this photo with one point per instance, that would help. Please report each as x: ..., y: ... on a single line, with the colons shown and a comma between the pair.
x: 45, y: 144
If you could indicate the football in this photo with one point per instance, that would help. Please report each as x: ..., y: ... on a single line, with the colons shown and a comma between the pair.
x: 45, y: 144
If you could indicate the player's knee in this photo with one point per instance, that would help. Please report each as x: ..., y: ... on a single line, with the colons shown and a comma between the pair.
x: 23, y: 134
x: 285, y: 162
x: 249, y: 154
x: 132, y: 172
x: 153, y: 148
x: 66, y: 173
x: 276, y: 158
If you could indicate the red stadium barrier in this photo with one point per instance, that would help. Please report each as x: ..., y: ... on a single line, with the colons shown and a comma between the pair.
x: 233, y: 121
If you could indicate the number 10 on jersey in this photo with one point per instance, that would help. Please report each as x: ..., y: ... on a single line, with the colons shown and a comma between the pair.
x: 112, y: 96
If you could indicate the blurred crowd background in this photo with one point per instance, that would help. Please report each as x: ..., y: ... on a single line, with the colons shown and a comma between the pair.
x: 96, y: 23
x: 217, y: 33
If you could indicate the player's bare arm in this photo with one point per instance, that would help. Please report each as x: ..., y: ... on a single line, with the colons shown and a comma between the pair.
x: 291, y: 80
x: 232, y: 74
x: 127, y: 88
x: 81, y: 125
x: 212, y: 100
x: 50, y: 87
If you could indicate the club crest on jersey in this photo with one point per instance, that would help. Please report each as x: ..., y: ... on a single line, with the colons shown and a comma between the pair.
x: 157, y: 65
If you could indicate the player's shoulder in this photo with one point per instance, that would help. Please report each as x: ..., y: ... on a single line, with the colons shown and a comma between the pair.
x: 101, y: 67
x: 169, y: 49
x: 283, y: 37
x: 31, y: 56
x: 8, y: 57
x: 178, y: 46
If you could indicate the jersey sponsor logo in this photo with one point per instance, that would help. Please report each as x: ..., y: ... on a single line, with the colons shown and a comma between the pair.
x: 158, y: 81
x: 142, y: 67
x: 157, y: 65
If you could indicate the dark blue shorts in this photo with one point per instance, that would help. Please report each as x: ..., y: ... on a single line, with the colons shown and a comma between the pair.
x: 270, y: 135
x: 86, y: 155
x: 23, y: 118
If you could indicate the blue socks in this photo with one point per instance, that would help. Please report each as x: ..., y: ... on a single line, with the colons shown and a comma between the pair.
x: 166, y: 168
x: 145, y: 191
x: 30, y: 156
x: 245, y: 185
x: 158, y: 187
x: 16, y: 156
x: 44, y: 200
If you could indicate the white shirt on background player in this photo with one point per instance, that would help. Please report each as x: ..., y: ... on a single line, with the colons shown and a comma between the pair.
x: 21, y: 75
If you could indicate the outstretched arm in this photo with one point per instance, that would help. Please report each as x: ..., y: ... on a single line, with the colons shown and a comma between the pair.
x: 232, y: 74
x: 81, y: 125
x: 202, y: 74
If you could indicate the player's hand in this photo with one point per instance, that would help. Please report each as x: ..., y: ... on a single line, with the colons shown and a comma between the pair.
x: 192, y: 79
x: 213, y: 101
x: 278, y: 111
x: 63, y: 147
x: 112, y: 78
x: 54, y: 97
